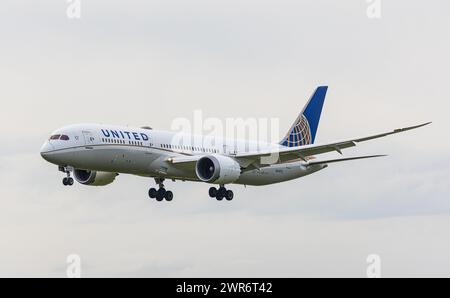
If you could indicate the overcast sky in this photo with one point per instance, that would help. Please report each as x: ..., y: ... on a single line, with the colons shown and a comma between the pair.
x: 149, y: 62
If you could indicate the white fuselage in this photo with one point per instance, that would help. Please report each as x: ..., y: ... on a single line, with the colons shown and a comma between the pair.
x: 145, y: 152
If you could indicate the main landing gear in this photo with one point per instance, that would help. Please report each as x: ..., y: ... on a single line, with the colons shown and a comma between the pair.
x: 161, y: 193
x: 221, y: 193
x: 67, y: 181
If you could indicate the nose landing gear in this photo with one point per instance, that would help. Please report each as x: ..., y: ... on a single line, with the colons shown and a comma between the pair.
x: 221, y: 193
x: 161, y: 193
x: 67, y: 181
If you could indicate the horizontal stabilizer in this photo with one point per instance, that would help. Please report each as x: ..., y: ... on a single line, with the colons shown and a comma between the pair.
x: 341, y: 159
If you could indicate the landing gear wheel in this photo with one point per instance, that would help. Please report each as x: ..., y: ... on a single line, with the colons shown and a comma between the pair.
x: 70, y: 181
x: 229, y: 195
x: 65, y: 181
x: 160, y: 194
x: 168, y: 196
x: 213, y: 192
x: 221, y: 192
x: 152, y: 193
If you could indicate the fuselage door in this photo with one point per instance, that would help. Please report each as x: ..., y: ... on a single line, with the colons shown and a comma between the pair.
x: 88, y: 138
x: 230, y: 149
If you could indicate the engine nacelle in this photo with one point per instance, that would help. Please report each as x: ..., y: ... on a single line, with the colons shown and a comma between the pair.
x: 94, y: 178
x: 217, y: 169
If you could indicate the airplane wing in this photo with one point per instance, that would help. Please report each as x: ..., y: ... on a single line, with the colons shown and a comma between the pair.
x: 287, y: 154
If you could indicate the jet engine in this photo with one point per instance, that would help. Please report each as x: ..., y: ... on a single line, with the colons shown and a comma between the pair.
x: 217, y: 169
x: 94, y: 178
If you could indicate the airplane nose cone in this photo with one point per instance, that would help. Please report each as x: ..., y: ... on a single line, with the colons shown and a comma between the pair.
x: 46, y: 149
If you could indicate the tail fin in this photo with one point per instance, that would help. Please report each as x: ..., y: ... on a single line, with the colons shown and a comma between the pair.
x: 304, y: 129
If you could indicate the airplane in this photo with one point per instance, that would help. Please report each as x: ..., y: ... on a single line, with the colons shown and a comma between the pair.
x: 96, y: 154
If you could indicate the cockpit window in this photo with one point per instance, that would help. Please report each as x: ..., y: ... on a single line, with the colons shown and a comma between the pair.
x: 55, y: 137
x: 60, y: 137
